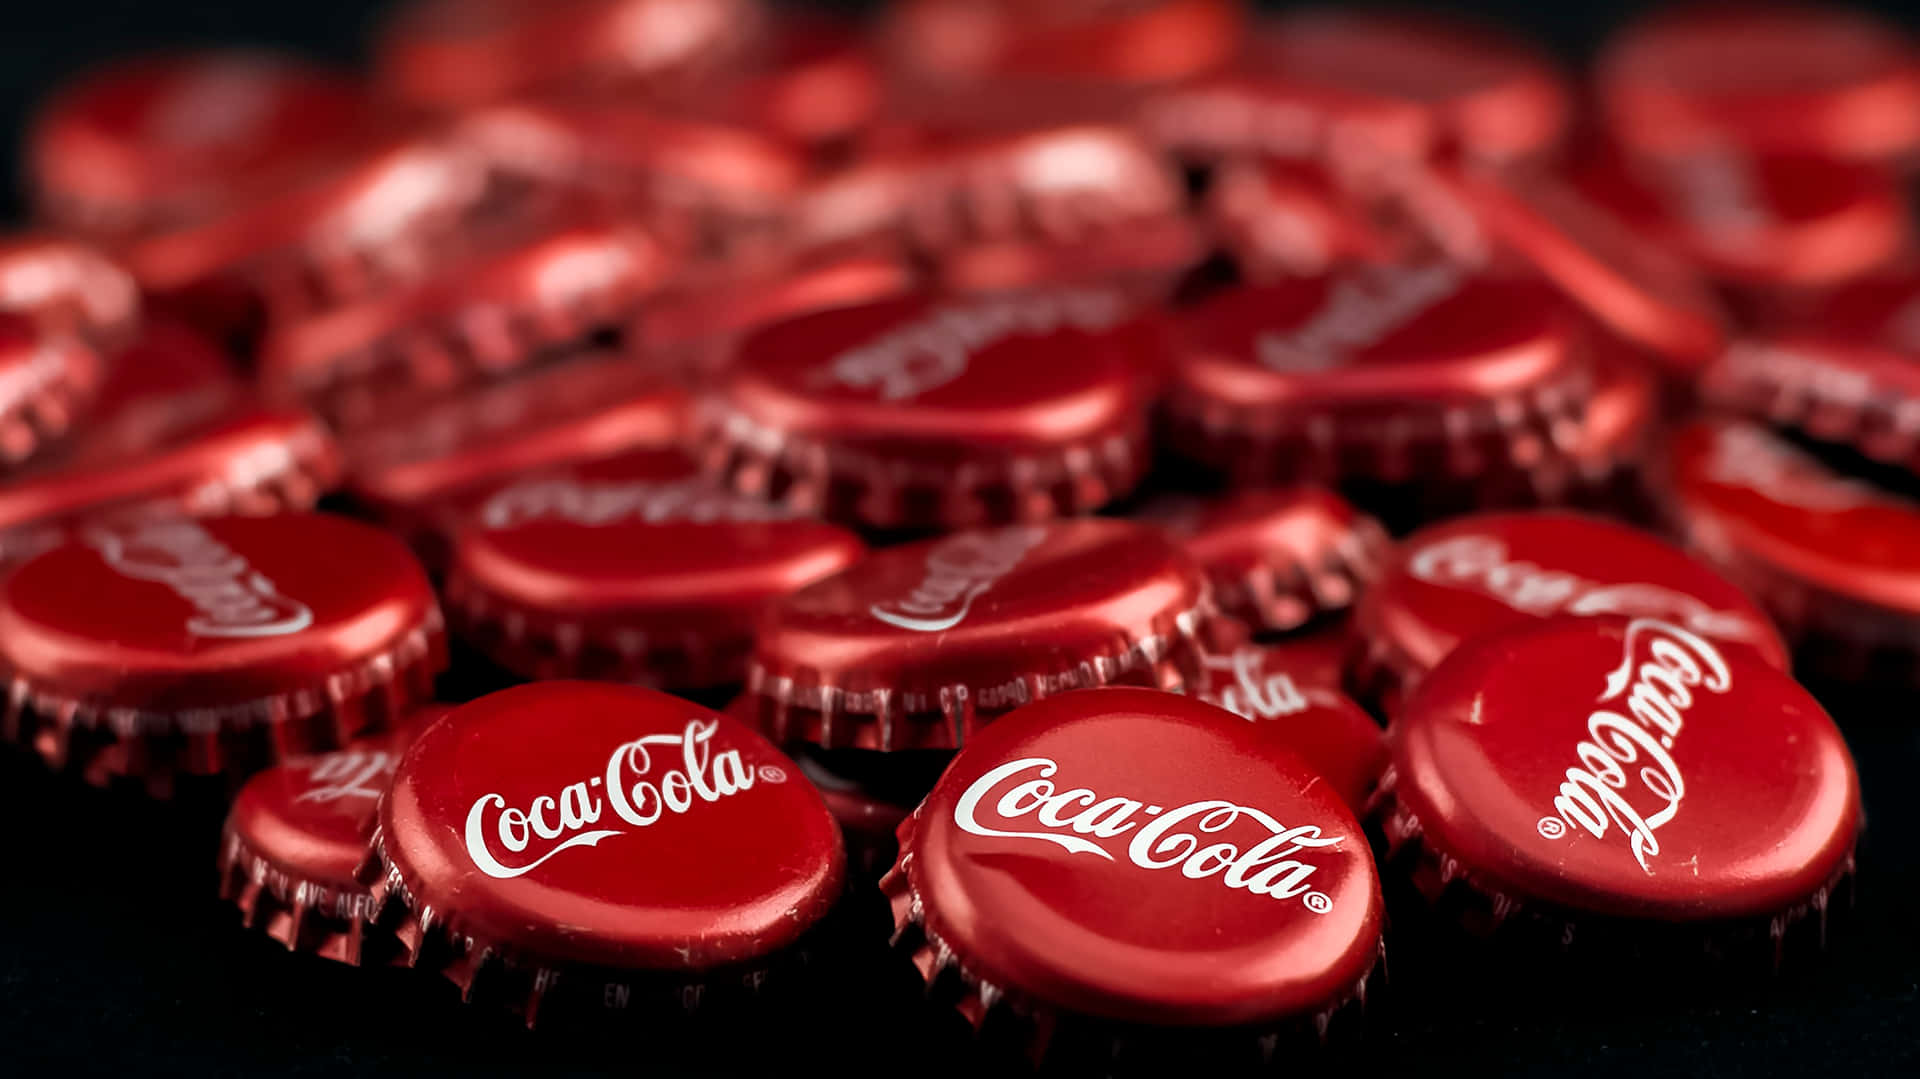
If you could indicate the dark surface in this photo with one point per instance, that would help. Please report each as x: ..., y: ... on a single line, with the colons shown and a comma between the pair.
x: 114, y: 955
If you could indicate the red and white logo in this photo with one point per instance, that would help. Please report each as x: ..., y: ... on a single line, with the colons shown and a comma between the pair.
x: 230, y: 598
x: 959, y: 569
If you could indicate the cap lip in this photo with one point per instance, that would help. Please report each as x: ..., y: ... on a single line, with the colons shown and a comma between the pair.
x: 879, y: 693
x: 1858, y: 392
x: 76, y: 728
x: 473, y: 930
x: 1453, y: 841
x: 1046, y: 990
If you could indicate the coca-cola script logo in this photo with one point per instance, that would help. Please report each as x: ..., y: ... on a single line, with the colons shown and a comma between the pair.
x: 933, y: 350
x: 638, y: 788
x: 1661, y: 667
x: 1360, y: 310
x: 959, y: 569
x: 230, y: 598
x: 1080, y: 821
x: 350, y: 775
x: 1481, y: 563
x: 1252, y: 694
x: 599, y: 504
x: 1750, y: 458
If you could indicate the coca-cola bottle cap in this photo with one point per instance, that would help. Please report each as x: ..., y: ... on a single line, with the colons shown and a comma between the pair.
x: 1489, y: 95
x: 1452, y: 582
x: 1303, y: 710
x: 1825, y: 552
x: 169, y: 140
x: 296, y: 838
x: 1387, y: 372
x: 632, y: 569
x: 420, y: 463
x: 1128, y: 864
x: 468, y: 322
x: 916, y: 647
x: 1596, y: 779
x: 1777, y: 78
x: 209, y: 647
x: 576, y: 845
x: 923, y: 412
x: 172, y: 432
x: 1276, y: 558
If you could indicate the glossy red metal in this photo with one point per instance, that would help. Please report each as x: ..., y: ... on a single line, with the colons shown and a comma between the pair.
x: 167, y: 140
x: 931, y: 412
x: 1386, y: 371
x: 1117, y: 859
x: 1825, y: 552
x: 177, y: 647
x: 68, y: 287
x: 296, y: 837
x: 919, y: 646
x: 1113, y: 45
x: 1276, y: 558
x: 1482, y: 573
x: 632, y: 569
x: 1603, y: 779
x: 575, y: 846
x: 1772, y: 78
x: 46, y: 380
x: 1290, y: 218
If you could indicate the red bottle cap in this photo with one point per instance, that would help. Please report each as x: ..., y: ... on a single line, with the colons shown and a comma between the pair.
x: 1291, y: 218
x: 1842, y: 371
x: 1826, y: 553
x: 168, y: 140
x: 415, y: 467
x: 1616, y: 439
x: 172, y: 432
x: 922, y: 412
x: 297, y: 835
x: 1761, y: 221
x: 1388, y: 372
x: 468, y: 322
x: 1773, y: 79
x: 450, y: 54
x: 1636, y: 289
x: 916, y: 647
x: 45, y: 379
x: 1146, y: 261
x: 372, y: 219
x: 1490, y: 95
x: 208, y: 647
x: 633, y: 569
x: 1297, y: 710
x: 601, y: 846
x: 69, y: 288
x: 988, y: 41
x: 1595, y: 775
x: 1315, y: 657
x: 1252, y: 110
x: 1200, y: 875
x: 1483, y: 573
x: 1276, y: 558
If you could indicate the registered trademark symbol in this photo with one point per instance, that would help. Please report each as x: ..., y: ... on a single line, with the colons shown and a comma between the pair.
x: 1552, y: 827
x: 1317, y: 902
x: 773, y: 773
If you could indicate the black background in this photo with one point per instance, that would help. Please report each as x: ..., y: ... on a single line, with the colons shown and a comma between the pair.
x: 115, y: 957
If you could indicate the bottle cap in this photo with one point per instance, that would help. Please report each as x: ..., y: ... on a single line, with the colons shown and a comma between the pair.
x: 297, y: 835
x: 1452, y: 582
x: 1201, y: 878
x: 1111, y: 45
x: 183, y: 647
x: 1252, y: 110
x: 1623, y: 785
x: 168, y: 140
x: 69, y: 288
x: 1301, y: 711
x: 45, y: 380
x: 1490, y: 96
x: 918, y: 646
x: 468, y: 322
x: 922, y: 412
x: 1771, y: 79
x: 1385, y: 371
x: 576, y: 845
x: 1786, y: 222
x: 1823, y: 551
x: 172, y: 432
x: 417, y: 465
x: 631, y: 569
x: 1292, y: 218
x: 1276, y: 558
